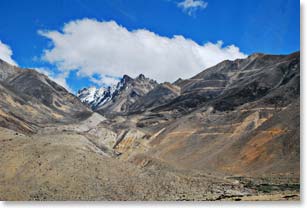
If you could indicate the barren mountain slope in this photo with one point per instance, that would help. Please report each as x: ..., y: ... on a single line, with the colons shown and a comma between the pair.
x: 29, y: 99
x: 233, y: 83
x: 249, y: 127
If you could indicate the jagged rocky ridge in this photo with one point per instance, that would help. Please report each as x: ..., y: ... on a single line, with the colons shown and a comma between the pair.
x: 118, y: 98
x: 129, y: 95
x: 225, y: 86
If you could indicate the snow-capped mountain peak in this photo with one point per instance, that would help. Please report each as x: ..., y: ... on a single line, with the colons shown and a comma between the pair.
x: 126, y: 89
x: 87, y: 95
x: 95, y: 96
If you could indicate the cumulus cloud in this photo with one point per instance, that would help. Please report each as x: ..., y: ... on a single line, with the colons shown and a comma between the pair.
x: 105, y: 80
x: 191, y: 6
x: 58, y: 78
x: 109, y: 49
x: 6, y: 54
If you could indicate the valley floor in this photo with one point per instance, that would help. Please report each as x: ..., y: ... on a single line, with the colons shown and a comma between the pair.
x: 67, y: 166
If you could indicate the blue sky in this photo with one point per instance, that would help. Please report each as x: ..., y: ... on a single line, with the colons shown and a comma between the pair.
x: 268, y: 26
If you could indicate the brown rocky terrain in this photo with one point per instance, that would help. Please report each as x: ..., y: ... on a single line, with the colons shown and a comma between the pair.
x: 28, y: 100
x: 229, y: 133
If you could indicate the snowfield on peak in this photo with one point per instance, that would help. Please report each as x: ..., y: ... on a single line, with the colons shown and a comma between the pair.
x: 98, y: 98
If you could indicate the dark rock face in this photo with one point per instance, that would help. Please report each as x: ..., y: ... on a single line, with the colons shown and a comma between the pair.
x: 160, y: 95
x: 29, y: 99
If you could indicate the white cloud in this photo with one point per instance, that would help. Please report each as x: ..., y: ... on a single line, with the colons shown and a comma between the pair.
x: 191, y: 6
x: 58, y: 78
x: 6, y: 54
x: 106, y: 48
x: 105, y: 80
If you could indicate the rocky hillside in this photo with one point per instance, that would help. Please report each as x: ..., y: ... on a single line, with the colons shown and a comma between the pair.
x: 234, y: 83
x: 239, y: 116
x: 29, y: 99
